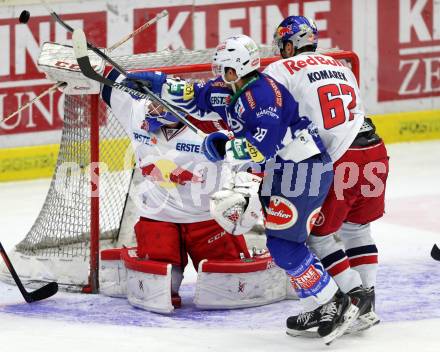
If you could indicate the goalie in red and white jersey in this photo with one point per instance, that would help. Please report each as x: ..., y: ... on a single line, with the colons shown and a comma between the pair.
x: 327, y: 92
x: 173, y: 197
x: 173, y: 201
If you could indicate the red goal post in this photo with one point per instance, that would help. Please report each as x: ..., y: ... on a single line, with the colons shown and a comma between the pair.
x: 87, y: 206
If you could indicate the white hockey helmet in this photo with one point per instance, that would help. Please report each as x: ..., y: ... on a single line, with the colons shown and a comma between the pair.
x: 238, y: 52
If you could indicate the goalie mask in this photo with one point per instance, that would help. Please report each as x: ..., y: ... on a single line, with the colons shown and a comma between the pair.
x: 299, y: 30
x: 238, y: 52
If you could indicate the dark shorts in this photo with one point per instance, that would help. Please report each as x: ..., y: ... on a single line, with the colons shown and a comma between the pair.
x: 357, y: 194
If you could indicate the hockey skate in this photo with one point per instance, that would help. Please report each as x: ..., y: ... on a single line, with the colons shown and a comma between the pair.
x: 304, y: 324
x: 364, y: 300
x: 336, y: 317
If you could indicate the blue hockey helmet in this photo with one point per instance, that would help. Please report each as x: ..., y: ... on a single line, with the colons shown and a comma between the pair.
x: 299, y: 30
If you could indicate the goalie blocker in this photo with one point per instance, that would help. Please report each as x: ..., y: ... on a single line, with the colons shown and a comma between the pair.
x: 59, y: 64
x: 220, y: 284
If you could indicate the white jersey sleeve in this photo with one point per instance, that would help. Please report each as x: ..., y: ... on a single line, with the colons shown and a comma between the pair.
x: 327, y: 93
x: 176, y: 180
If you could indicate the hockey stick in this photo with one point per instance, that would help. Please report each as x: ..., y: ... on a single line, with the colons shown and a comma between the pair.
x: 435, y: 252
x: 160, y: 15
x: 42, y: 293
x: 30, y: 102
x: 80, y: 48
x: 142, y: 84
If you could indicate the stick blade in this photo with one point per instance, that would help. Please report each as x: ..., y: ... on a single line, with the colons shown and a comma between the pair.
x: 43, y: 292
x: 79, y: 43
x: 435, y: 252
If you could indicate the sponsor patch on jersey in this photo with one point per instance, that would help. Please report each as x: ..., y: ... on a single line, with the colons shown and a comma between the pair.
x: 307, y: 279
x: 219, y: 99
x: 188, y: 91
x: 269, y: 111
x: 250, y: 99
x: 188, y: 146
x: 142, y: 138
x: 276, y: 91
x: 281, y: 214
x: 255, y: 154
x: 316, y: 218
x: 176, y: 88
x: 296, y: 64
x: 239, y: 108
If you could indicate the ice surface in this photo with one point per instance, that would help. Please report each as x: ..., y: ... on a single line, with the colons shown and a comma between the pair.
x: 408, y: 291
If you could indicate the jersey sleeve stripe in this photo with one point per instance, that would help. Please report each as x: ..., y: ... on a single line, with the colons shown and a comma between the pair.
x: 106, y: 90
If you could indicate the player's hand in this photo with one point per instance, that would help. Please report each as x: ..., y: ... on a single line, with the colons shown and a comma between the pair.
x: 213, y: 146
x: 153, y: 79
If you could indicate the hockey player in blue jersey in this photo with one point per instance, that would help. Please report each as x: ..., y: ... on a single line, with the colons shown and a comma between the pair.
x: 268, y: 130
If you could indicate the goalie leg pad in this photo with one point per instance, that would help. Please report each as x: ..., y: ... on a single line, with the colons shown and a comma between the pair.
x: 239, y: 283
x: 112, y: 273
x: 148, y: 283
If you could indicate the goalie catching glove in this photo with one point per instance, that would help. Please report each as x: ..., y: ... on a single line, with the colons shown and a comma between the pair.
x: 238, y: 208
x: 59, y: 64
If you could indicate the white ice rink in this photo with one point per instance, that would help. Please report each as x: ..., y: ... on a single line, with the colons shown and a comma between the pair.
x: 408, y: 291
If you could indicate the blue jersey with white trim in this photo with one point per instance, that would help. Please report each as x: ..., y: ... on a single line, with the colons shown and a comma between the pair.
x: 263, y: 112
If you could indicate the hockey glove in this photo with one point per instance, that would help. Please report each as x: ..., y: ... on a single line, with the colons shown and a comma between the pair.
x: 239, y: 209
x: 153, y: 80
x: 213, y: 146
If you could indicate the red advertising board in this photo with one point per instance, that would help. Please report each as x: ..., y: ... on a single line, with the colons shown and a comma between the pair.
x: 199, y: 26
x: 203, y: 26
x: 408, y: 49
x: 20, y: 80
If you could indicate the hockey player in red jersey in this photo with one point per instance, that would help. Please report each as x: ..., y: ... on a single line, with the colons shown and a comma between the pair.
x: 330, y: 97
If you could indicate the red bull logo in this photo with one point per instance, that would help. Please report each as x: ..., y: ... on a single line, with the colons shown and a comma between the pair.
x: 168, y: 175
x: 282, y: 31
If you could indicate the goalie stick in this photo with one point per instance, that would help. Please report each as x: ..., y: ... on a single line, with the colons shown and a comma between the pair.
x: 435, y: 252
x: 80, y: 48
x: 42, y: 293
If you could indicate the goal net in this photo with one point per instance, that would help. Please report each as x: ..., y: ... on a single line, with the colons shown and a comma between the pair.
x: 87, y: 206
